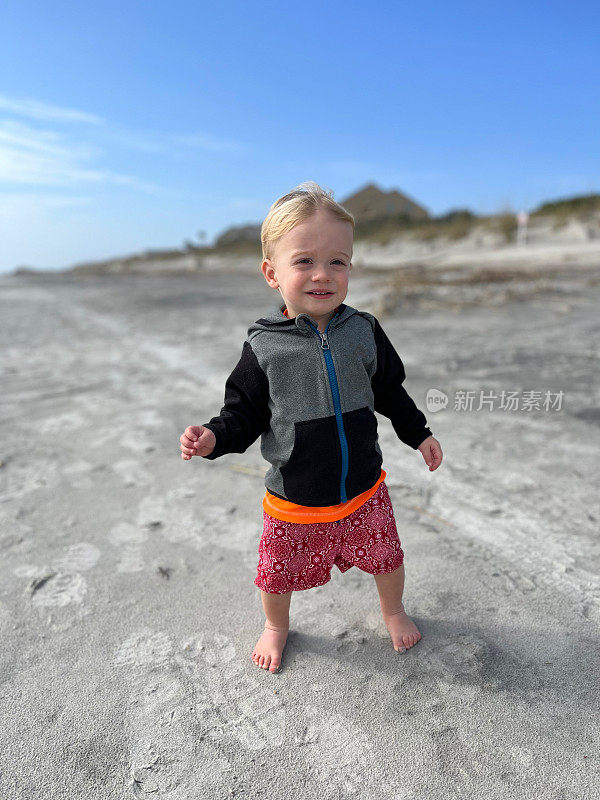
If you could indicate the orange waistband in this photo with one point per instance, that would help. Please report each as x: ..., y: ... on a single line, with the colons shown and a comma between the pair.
x: 292, y: 512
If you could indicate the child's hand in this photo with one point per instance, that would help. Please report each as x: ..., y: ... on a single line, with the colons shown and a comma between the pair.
x: 197, y: 440
x: 432, y: 452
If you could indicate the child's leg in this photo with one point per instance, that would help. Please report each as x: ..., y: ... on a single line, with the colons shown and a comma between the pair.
x: 268, y: 650
x: 403, y: 630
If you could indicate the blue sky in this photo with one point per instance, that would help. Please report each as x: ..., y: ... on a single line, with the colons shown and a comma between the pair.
x: 133, y: 125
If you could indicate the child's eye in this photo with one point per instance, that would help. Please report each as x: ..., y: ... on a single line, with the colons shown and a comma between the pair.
x: 336, y: 261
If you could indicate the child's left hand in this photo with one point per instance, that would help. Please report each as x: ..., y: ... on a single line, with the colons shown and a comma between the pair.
x: 432, y: 452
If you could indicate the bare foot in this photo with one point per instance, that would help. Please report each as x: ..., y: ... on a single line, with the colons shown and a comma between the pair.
x: 402, y: 629
x: 268, y: 650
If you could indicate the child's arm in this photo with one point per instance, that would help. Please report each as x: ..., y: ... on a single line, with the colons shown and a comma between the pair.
x: 391, y: 398
x: 245, y: 413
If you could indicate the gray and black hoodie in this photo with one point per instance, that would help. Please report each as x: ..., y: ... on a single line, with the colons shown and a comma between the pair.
x: 311, y: 396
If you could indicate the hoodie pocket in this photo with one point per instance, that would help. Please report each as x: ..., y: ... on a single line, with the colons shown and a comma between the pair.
x: 364, y: 467
x: 311, y: 476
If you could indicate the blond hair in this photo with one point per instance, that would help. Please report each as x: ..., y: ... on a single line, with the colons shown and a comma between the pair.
x: 294, y: 207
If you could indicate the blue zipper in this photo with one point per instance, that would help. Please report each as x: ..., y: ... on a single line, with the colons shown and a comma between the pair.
x: 335, y: 393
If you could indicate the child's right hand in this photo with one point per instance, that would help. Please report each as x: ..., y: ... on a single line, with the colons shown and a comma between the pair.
x: 197, y: 440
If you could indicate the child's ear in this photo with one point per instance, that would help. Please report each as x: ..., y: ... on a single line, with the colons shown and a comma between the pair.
x: 267, y: 267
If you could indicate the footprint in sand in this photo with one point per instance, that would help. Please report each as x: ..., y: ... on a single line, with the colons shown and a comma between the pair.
x: 176, y: 519
x: 179, y: 690
x: 22, y: 479
x: 61, y: 582
x: 131, y: 473
x: 79, y: 474
x: 465, y: 659
x: 127, y: 540
x: 344, y: 760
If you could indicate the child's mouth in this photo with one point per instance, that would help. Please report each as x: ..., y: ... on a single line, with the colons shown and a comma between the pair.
x: 320, y: 294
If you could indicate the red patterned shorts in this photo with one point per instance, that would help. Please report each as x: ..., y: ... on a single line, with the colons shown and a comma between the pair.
x: 294, y: 556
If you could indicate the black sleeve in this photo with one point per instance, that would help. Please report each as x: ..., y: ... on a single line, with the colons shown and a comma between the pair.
x: 245, y: 413
x: 391, y: 398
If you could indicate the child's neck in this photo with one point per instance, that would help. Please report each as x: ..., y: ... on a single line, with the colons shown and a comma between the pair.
x: 321, y: 324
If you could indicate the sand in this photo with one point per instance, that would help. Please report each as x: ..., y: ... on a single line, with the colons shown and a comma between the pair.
x: 127, y: 604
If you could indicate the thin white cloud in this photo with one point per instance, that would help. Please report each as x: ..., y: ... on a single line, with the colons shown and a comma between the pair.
x: 40, y: 148
x: 171, y: 144
x: 20, y: 135
x: 15, y: 203
x: 33, y: 109
x: 104, y: 132
x: 46, y: 158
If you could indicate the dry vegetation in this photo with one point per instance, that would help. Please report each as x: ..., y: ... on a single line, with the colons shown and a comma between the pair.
x: 450, y: 227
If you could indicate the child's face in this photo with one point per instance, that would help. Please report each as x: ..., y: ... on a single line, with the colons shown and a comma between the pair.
x: 314, y: 255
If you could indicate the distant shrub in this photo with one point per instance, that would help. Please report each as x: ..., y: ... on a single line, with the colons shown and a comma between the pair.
x: 577, y: 205
x: 462, y: 214
x: 507, y: 225
x: 454, y: 225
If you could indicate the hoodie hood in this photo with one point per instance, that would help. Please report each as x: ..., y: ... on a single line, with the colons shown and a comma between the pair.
x: 276, y: 320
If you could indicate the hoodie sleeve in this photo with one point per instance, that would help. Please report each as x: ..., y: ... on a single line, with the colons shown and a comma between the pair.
x: 245, y: 413
x: 391, y: 398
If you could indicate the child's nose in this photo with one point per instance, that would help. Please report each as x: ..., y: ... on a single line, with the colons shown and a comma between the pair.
x: 320, y: 271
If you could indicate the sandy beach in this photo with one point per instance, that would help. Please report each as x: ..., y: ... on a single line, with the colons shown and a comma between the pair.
x: 127, y: 605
